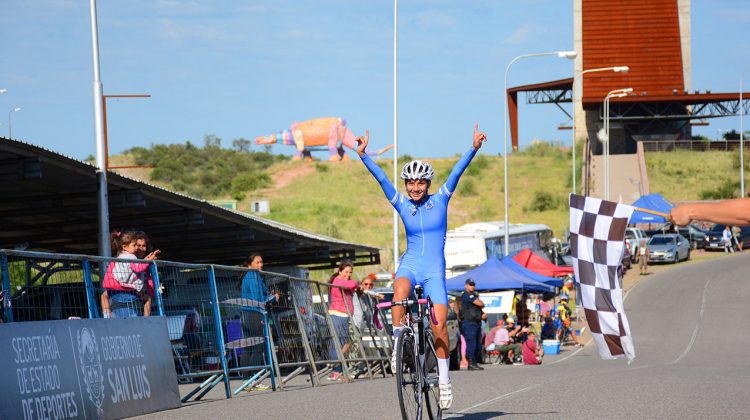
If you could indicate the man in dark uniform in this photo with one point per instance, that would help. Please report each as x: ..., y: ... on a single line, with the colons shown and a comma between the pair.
x: 471, y: 323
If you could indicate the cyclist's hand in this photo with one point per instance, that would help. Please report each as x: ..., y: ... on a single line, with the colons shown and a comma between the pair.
x: 479, y: 137
x: 362, y: 143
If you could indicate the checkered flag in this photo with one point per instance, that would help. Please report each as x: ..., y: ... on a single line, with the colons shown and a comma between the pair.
x: 597, y: 233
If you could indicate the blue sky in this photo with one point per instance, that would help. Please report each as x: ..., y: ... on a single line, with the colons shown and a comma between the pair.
x: 248, y: 68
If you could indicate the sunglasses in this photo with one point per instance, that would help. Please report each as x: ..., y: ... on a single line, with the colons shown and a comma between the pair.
x: 366, y: 284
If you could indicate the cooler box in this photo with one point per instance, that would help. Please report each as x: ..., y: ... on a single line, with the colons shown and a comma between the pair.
x: 551, y: 346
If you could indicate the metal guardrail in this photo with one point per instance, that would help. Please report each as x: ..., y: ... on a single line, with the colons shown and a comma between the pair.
x: 223, y: 322
x: 694, y: 145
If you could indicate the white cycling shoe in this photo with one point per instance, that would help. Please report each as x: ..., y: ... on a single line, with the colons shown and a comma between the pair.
x: 446, y: 396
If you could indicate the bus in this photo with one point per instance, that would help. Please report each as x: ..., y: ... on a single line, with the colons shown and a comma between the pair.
x: 470, y: 245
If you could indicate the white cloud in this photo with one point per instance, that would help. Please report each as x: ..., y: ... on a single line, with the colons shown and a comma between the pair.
x: 520, y: 36
x: 433, y: 19
x: 180, y: 6
x: 171, y: 30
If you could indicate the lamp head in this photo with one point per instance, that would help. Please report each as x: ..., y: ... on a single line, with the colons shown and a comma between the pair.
x: 3, y: 90
x: 621, y: 69
x: 16, y: 109
x: 567, y: 54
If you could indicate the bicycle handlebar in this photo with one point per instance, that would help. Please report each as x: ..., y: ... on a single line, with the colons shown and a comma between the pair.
x: 405, y: 304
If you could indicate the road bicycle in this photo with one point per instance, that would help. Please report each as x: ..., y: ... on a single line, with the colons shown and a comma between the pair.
x: 416, y: 360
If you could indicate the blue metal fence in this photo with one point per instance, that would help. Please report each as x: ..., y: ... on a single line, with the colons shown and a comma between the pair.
x: 224, y: 323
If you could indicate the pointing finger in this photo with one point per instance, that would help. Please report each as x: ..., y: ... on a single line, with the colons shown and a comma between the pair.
x: 476, y: 127
x: 367, y: 134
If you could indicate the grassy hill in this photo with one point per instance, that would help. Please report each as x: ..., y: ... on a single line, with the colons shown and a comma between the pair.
x: 342, y: 200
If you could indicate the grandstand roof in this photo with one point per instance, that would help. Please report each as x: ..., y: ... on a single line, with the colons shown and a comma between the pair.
x: 49, y: 203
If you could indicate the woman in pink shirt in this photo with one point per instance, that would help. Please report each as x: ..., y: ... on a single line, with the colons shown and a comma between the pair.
x: 340, y: 309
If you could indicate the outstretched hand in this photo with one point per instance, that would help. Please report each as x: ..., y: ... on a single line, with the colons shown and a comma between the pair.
x: 362, y: 143
x: 479, y: 137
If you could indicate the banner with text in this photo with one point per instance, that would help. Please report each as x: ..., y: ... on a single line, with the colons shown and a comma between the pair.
x: 497, y: 302
x: 87, y: 368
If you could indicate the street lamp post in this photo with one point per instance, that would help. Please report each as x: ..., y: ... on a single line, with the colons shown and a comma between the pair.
x: 395, y: 129
x: 574, y: 97
x: 562, y: 54
x: 10, y: 121
x: 617, y: 93
x: 742, y: 138
x: 105, y: 249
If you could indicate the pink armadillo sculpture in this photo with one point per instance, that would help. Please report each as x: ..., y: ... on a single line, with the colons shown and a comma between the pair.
x: 328, y: 133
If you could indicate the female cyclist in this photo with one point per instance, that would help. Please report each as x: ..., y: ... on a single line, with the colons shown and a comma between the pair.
x: 425, y: 218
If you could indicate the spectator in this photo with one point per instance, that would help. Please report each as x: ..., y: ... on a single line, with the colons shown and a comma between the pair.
x: 736, y: 236
x: 127, y: 278
x: 254, y: 310
x: 549, y: 332
x: 532, y: 354
x: 563, y: 311
x: 471, y: 323
x: 643, y: 257
x: 726, y: 238
x: 516, y: 331
x: 340, y: 305
x: 566, y: 289
x: 501, y: 342
x: 363, y: 305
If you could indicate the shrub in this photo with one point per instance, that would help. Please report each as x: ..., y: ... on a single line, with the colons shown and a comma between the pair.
x: 727, y: 189
x: 543, y: 201
x: 466, y: 187
x: 540, y: 148
x: 244, y: 183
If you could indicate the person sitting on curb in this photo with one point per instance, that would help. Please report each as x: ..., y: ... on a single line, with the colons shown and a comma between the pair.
x: 532, y: 354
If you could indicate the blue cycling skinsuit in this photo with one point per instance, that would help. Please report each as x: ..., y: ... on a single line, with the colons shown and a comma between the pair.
x: 426, y: 223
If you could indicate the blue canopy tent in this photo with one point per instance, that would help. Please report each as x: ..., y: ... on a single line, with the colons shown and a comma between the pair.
x: 518, y: 268
x: 651, y: 202
x: 496, y: 274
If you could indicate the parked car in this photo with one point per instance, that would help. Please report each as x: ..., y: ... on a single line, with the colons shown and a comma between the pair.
x: 633, y: 238
x: 715, y: 241
x: 698, y: 237
x: 668, y: 247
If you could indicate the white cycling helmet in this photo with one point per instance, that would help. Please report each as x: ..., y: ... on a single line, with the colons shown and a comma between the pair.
x: 416, y: 169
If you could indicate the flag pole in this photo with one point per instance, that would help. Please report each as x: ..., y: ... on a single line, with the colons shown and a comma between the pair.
x: 658, y: 213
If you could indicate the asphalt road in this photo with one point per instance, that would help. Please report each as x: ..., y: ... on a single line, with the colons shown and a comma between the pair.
x: 690, y: 328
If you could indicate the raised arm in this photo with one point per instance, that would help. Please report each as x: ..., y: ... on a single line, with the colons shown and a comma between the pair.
x: 385, y: 184
x: 463, y: 163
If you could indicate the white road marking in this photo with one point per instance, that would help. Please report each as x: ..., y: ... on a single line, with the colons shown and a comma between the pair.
x: 492, y: 400
x: 697, y: 326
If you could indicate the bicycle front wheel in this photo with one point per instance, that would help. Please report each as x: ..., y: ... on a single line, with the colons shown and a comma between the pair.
x: 407, y: 377
x: 430, y: 385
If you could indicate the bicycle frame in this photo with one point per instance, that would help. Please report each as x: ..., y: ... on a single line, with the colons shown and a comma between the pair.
x: 414, y: 324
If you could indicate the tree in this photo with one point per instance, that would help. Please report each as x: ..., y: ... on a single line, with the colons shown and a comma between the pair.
x: 241, y: 144
x: 731, y: 135
x: 211, y: 140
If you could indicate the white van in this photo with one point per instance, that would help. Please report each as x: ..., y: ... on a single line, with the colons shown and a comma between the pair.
x: 470, y: 245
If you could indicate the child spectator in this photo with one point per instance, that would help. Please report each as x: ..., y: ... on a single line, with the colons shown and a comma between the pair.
x: 124, y: 277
